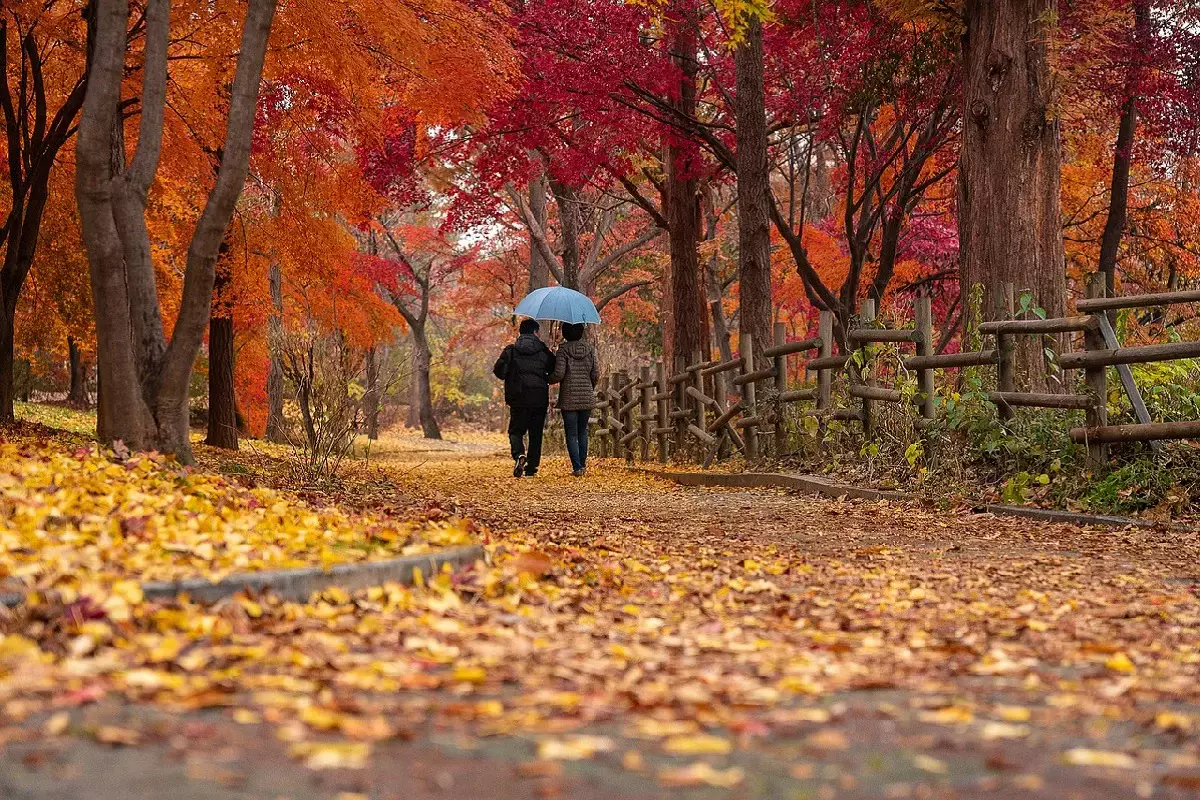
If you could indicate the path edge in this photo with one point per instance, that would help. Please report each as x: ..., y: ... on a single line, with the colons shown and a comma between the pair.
x: 815, y: 485
x: 299, y: 584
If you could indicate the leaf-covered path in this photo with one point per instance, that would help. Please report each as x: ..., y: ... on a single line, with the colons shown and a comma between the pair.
x: 632, y: 638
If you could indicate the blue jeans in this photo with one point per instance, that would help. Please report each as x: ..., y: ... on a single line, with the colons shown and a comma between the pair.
x: 575, y: 425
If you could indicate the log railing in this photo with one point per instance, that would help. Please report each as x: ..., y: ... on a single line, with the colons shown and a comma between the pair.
x: 706, y: 409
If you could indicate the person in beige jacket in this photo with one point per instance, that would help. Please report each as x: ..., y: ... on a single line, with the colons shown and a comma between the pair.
x: 577, y: 372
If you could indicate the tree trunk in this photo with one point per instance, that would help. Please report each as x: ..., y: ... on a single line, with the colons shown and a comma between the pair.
x: 222, y: 402
x: 754, y: 233
x: 422, y: 359
x: 77, y: 396
x: 539, y: 270
x: 371, y: 397
x: 7, y: 366
x: 688, y: 334
x: 1008, y: 211
x: 720, y: 326
x: 276, y: 425
x: 146, y: 379
x: 1118, y: 205
x: 568, y: 223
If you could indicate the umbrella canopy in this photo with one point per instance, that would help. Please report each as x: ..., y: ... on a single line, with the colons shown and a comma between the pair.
x: 559, y: 303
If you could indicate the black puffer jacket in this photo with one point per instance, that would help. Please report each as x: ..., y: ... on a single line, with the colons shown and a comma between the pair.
x: 526, y: 367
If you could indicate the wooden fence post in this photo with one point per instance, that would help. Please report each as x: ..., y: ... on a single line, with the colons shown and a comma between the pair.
x: 629, y: 402
x: 616, y: 423
x: 781, y: 377
x: 923, y: 312
x: 697, y: 382
x: 866, y: 314
x: 681, y: 404
x: 1097, y: 381
x: 644, y: 418
x: 749, y: 408
x: 1005, y: 381
x: 663, y: 406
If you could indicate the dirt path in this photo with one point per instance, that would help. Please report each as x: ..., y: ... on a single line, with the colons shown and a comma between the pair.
x: 633, y: 638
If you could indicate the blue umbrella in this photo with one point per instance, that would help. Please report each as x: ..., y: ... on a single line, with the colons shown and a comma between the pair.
x: 559, y: 303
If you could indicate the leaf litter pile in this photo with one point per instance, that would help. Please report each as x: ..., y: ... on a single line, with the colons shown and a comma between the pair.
x: 755, y: 642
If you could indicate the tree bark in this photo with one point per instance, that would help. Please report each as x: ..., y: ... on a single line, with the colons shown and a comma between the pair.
x: 422, y: 360
x: 276, y: 425
x: 1008, y: 211
x: 539, y: 270
x: 371, y: 397
x: 688, y: 333
x: 7, y: 366
x: 222, y: 401
x: 1118, y: 205
x: 568, y: 222
x: 77, y: 396
x: 754, y: 233
x: 146, y: 391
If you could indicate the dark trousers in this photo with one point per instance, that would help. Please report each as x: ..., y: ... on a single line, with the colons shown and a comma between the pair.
x: 575, y: 426
x: 530, y: 421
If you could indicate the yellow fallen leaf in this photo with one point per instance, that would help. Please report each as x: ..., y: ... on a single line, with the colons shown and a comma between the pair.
x: 332, y: 755
x: 950, y: 715
x: 929, y: 764
x: 244, y: 716
x: 57, y: 724
x: 698, y: 744
x: 573, y: 748
x: 701, y: 774
x: 470, y: 675
x: 1119, y: 662
x: 1004, y: 730
x: 633, y: 761
x: 1083, y: 757
x: 828, y: 740
x: 1169, y: 720
x: 1013, y: 713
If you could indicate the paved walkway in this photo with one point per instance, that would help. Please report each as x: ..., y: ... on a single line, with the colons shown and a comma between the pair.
x: 638, y: 639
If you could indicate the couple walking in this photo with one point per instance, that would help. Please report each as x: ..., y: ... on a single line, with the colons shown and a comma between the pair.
x: 528, y: 367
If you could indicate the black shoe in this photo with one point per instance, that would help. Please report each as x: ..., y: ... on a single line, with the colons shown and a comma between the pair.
x: 530, y: 473
x: 578, y: 473
x: 519, y: 469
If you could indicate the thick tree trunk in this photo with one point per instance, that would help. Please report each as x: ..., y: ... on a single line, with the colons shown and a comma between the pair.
x: 371, y: 396
x: 276, y: 425
x: 422, y: 359
x: 539, y: 270
x: 568, y: 222
x: 145, y: 379
x: 689, y: 326
x: 222, y: 401
x: 1009, y: 214
x: 7, y: 367
x: 77, y: 396
x: 754, y: 233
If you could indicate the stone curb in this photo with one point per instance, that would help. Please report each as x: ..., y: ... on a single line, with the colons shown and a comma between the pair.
x: 299, y: 584
x: 815, y: 485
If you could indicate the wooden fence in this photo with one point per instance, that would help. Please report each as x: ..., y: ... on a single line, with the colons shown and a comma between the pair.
x: 706, y: 410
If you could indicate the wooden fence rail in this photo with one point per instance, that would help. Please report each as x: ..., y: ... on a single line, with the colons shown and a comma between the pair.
x: 697, y: 410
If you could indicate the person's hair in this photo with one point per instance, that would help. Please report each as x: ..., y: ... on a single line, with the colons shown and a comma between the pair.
x: 572, y: 331
x: 529, y: 326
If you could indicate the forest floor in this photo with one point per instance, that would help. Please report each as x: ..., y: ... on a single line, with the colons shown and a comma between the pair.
x: 630, y: 638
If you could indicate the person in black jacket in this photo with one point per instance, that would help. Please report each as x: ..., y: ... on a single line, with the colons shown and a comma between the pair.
x: 526, y: 367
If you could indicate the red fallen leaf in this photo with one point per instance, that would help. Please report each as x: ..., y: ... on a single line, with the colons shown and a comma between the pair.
x: 79, y: 697
x: 535, y: 563
x: 134, y: 526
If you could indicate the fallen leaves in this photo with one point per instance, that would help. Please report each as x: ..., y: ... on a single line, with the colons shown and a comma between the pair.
x: 701, y: 774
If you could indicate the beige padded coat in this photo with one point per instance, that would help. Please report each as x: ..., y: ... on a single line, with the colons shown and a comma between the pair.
x: 577, y: 373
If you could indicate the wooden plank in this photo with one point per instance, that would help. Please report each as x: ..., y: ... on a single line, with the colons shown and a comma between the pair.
x: 746, y: 345
x: 867, y: 335
x: 1097, y: 380
x: 787, y: 348
x: 692, y: 391
x: 1139, y: 301
x: 982, y: 358
x: 749, y: 422
x: 645, y: 417
x: 1138, y: 433
x: 1042, y: 400
x: 752, y: 377
x: 828, y: 362
x: 780, y: 370
x: 877, y: 393
x: 703, y: 436
x: 1129, y: 355
x: 729, y: 414
x: 1052, y: 325
x: 700, y: 366
x: 724, y: 366
x: 662, y: 407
